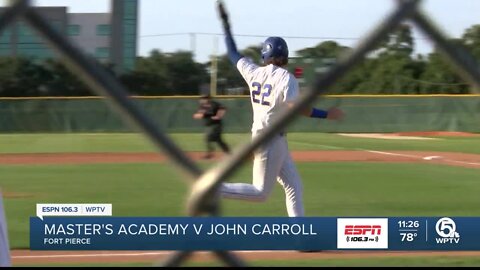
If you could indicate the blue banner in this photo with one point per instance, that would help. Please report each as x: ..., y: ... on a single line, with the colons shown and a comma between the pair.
x: 254, y: 233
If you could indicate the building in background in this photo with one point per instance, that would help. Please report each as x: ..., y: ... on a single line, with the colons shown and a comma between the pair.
x: 124, y: 34
x: 109, y: 37
x: 20, y: 39
x: 92, y: 33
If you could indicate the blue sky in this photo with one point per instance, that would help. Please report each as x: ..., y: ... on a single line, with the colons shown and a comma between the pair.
x: 349, y: 19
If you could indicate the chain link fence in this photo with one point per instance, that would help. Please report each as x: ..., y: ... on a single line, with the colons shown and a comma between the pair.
x: 204, y: 184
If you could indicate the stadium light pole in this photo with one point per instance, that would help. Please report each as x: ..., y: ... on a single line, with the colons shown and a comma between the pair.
x: 214, y: 68
x: 193, y: 43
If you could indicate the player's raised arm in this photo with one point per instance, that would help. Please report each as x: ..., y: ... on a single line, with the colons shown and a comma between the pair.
x: 233, y: 53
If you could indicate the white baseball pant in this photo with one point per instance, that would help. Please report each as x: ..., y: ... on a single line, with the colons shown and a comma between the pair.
x: 4, y: 247
x: 272, y: 163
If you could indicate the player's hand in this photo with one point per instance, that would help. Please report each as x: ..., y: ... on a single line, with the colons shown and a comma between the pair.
x: 335, y: 114
x: 216, y: 117
x: 198, y: 115
x: 223, y: 15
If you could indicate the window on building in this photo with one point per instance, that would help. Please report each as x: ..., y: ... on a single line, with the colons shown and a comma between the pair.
x: 74, y: 30
x: 57, y: 25
x: 28, y: 46
x: 102, y: 52
x: 26, y: 34
x: 5, y: 49
x: 130, y: 27
x: 37, y: 53
x: 103, y: 30
x: 130, y: 9
x: 24, y: 29
x: 129, y: 52
x: 5, y: 36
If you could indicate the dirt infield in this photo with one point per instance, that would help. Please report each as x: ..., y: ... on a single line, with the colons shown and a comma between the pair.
x: 25, y: 257
x: 438, y: 134
x: 446, y: 158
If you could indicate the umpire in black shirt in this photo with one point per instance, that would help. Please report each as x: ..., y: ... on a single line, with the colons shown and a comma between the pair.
x: 212, y: 112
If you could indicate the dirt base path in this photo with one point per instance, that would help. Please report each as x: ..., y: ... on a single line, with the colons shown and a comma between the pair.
x: 446, y: 158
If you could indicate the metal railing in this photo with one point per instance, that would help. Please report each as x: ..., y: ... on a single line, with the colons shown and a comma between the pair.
x: 204, y: 184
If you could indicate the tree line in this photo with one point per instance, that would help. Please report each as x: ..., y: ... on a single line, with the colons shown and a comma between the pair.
x: 391, y: 68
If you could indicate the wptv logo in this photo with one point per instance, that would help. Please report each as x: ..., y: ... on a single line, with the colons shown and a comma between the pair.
x: 362, y: 233
x: 447, y: 230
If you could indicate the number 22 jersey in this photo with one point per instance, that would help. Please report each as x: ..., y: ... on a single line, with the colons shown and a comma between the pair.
x: 271, y: 87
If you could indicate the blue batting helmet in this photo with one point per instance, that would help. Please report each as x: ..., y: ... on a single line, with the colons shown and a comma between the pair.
x: 274, y: 47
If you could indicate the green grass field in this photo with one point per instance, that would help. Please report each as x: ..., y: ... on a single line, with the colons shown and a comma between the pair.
x: 55, y: 143
x: 331, y: 189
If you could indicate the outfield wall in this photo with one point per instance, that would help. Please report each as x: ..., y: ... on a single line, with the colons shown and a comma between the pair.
x: 174, y: 114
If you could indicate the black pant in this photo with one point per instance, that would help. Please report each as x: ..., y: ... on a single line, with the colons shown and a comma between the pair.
x: 214, y: 135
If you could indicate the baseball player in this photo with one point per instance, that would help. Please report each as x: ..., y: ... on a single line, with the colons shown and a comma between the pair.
x: 212, y: 112
x: 272, y: 88
x: 4, y: 247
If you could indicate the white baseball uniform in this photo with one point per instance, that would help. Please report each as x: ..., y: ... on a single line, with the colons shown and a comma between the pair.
x: 4, y: 247
x: 271, y: 87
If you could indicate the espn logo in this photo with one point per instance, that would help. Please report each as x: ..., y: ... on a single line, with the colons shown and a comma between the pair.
x: 363, y: 229
x: 362, y: 233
